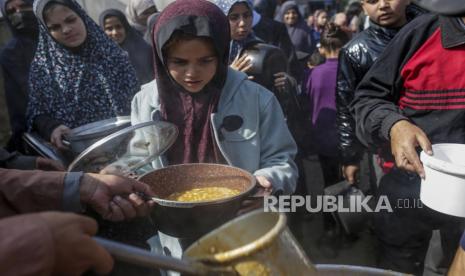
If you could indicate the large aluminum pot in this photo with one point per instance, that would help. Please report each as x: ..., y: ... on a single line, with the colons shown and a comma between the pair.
x: 194, y: 219
x: 256, y: 243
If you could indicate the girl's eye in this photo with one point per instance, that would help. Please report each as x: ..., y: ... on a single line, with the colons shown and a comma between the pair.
x: 54, y: 28
x: 70, y: 20
x: 178, y: 62
x: 207, y: 60
x: 233, y: 17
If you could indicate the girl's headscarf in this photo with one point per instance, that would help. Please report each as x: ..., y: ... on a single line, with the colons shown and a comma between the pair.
x: 151, y: 21
x: 191, y: 112
x: 237, y: 45
x: 299, y: 33
x: 76, y: 87
x: 134, y: 9
x: 140, y: 52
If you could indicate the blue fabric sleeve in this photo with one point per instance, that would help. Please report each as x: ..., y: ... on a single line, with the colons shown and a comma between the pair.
x: 71, y: 196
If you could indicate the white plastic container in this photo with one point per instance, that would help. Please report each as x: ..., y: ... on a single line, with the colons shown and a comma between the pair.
x: 443, y: 188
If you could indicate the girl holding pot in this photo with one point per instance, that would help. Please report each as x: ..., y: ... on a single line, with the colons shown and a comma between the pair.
x: 222, y: 117
x: 78, y: 74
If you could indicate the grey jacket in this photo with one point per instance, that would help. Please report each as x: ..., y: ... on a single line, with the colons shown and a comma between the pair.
x: 263, y: 144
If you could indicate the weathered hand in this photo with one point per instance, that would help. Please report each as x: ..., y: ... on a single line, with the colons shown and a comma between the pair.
x: 75, y: 252
x: 115, y: 197
x: 350, y: 173
x: 405, y: 137
x: 57, y: 136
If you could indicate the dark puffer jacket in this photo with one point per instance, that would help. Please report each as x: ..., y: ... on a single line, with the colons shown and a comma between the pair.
x: 355, y: 60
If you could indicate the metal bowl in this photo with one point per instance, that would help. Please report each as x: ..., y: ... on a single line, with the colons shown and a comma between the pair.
x: 194, y: 219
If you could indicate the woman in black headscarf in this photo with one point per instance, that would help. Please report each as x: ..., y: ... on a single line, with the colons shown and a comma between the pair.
x: 117, y: 27
x: 15, y: 60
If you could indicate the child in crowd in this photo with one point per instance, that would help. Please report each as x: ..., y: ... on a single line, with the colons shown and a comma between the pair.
x: 196, y: 90
x: 321, y: 90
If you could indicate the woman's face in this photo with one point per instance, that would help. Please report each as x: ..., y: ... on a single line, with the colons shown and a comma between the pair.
x: 240, y: 21
x: 192, y: 63
x: 114, y: 29
x: 290, y: 17
x: 65, y: 26
x: 322, y: 19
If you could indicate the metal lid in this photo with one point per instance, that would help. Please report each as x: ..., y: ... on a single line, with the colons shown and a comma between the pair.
x: 100, y: 128
x: 129, y: 151
x: 446, y: 7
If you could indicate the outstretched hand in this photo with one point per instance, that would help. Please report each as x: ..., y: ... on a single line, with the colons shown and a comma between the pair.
x: 115, y: 197
x: 405, y: 137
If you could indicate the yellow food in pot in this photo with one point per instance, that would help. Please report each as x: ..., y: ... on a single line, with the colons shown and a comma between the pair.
x: 203, y: 194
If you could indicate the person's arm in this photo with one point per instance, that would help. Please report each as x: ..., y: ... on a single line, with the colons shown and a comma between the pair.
x: 458, y: 265
x: 375, y: 98
x: 347, y: 79
x: 378, y: 118
x: 30, y: 191
x: 277, y: 149
x: 50, y: 244
x: 15, y: 160
x: 113, y: 197
x: 350, y: 149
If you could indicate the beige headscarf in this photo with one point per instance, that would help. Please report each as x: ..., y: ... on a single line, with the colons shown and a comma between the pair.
x: 133, y: 11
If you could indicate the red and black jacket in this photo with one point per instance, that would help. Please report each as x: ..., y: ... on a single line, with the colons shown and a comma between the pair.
x: 419, y: 77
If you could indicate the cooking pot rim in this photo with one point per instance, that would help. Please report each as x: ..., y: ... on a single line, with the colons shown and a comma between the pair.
x: 179, y: 204
x: 248, y: 249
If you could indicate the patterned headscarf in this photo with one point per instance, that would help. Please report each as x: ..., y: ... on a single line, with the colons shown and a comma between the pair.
x: 191, y: 113
x: 95, y: 82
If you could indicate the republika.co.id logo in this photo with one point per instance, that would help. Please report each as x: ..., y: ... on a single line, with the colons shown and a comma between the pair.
x: 329, y: 203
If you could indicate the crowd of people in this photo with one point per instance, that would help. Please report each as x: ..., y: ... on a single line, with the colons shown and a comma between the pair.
x: 363, y: 90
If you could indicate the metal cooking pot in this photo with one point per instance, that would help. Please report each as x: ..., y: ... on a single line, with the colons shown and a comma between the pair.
x: 267, y: 60
x: 84, y: 136
x: 194, y: 219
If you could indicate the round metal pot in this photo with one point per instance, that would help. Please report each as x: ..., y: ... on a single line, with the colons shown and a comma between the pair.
x: 194, y: 219
x: 256, y: 243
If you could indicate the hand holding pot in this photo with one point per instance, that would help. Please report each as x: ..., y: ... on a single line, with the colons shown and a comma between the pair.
x: 405, y: 137
x: 114, y: 197
x: 75, y: 252
x: 264, y: 188
x: 241, y: 63
x: 57, y: 136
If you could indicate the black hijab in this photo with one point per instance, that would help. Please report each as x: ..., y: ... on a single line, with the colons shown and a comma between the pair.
x: 139, y: 51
